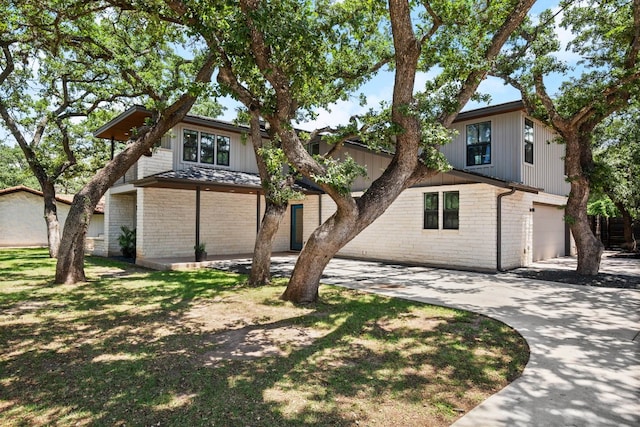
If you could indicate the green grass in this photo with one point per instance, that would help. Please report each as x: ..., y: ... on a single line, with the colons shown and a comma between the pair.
x: 135, y: 347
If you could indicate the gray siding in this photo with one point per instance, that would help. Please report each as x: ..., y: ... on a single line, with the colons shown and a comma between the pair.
x: 241, y: 156
x: 506, y: 146
x: 547, y: 170
x: 375, y: 163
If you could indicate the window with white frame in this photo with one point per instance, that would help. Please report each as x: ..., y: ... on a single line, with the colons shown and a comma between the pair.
x: 528, y: 141
x: 450, y: 208
x: 479, y: 144
x: 206, y: 148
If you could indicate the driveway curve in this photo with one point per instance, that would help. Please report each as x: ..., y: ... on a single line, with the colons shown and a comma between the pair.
x: 584, y: 367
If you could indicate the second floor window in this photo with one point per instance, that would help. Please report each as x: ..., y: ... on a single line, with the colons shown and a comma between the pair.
x: 528, y: 141
x: 479, y: 144
x: 207, y: 148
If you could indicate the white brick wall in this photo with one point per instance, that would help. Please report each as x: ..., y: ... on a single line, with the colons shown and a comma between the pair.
x: 120, y: 209
x: 160, y: 161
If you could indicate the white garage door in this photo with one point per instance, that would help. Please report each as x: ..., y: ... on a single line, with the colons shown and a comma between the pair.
x: 548, y: 232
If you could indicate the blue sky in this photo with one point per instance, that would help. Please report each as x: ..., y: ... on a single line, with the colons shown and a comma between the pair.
x: 380, y: 88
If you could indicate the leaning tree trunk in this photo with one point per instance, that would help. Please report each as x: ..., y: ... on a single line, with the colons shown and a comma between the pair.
x: 51, y: 218
x: 261, y: 264
x: 321, y: 246
x: 70, y: 266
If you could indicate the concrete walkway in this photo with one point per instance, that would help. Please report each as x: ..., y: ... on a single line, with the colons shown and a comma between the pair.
x: 584, y: 368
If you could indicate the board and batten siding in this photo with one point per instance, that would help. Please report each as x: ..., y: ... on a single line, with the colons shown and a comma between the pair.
x: 241, y: 156
x: 506, y: 146
x: 547, y: 170
x: 507, y: 153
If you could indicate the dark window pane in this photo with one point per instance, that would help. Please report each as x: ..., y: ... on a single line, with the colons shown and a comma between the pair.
x: 207, y: 141
x: 528, y: 141
x: 431, y: 211
x: 450, y: 211
x: 190, y: 145
x: 479, y: 144
x: 224, y: 144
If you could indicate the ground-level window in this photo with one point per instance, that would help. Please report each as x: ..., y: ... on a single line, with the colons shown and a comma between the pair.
x: 450, y: 210
x: 430, y: 211
x: 204, y: 147
x: 528, y: 141
x: 479, y: 144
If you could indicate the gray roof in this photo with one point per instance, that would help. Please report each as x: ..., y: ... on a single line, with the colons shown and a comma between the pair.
x: 220, y: 179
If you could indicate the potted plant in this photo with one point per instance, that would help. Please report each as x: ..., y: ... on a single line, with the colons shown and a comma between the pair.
x: 127, y: 241
x: 201, y: 252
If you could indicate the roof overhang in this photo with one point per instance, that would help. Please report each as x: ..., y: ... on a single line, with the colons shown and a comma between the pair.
x: 493, y: 181
x: 120, y: 128
x: 507, y: 107
x: 209, y: 179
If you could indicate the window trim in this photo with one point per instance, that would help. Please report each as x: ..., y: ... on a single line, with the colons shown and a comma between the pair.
x: 446, y: 211
x: 479, y: 144
x: 431, y: 211
x: 526, y: 142
x: 215, y: 140
x: 441, y: 213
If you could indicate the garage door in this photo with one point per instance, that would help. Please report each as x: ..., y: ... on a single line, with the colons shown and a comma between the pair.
x: 548, y: 232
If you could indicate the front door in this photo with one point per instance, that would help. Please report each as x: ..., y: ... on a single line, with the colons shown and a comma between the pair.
x: 296, y: 227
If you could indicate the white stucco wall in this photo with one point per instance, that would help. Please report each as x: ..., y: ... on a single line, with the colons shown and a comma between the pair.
x: 22, y: 220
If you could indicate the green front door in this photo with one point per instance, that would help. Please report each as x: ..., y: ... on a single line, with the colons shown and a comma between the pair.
x: 296, y: 228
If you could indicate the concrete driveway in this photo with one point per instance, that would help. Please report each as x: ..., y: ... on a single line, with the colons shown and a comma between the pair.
x: 584, y: 368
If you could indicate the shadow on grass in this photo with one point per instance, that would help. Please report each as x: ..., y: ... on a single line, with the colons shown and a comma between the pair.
x: 95, y: 360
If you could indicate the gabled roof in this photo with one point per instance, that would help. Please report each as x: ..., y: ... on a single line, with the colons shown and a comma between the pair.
x: 213, y: 179
x: 62, y: 198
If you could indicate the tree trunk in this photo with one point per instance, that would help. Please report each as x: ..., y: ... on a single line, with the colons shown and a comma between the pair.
x: 578, y: 159
x: 261, y: 264
x: 70, y: 266
x: 51, y: 218
x: 627, y: 228
x: 321, y: 246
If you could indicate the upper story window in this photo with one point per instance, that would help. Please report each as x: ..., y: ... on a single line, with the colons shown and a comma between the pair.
x: 528, y: 141
x: 479, y: 144
x: 207, y: 148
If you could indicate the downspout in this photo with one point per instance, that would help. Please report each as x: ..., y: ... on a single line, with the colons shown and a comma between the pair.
x: 197, y: 216
x: 258, y: 214
x: 499, y: 229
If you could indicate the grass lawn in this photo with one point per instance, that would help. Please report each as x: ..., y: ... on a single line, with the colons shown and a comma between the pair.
x: 140, y: 348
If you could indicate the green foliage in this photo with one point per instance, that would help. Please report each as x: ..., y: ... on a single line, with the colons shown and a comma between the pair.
x: 616, y: 175
x: 602, y: 206
x: 339, y: 174
x: 127, y: 241
x: 14, y: 169
x: 277, y: 185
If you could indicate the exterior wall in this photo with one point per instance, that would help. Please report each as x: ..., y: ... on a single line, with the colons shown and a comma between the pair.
x: 374, y: 163
x: 547, y: 170
x: 160, y: 161
x: 398, y: 234
x: 120, y: 209
x: 22, y: 220
x: 506, y: 146
x: 507, y: 153
x: 517, y: 229
x: 228, y: 222
x: 241, y: 156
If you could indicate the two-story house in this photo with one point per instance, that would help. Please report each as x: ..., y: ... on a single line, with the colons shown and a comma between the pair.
x: 500, y: 208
